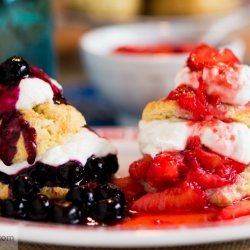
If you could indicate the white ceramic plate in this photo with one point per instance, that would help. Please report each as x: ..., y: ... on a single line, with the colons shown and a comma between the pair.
x: 125, y: 139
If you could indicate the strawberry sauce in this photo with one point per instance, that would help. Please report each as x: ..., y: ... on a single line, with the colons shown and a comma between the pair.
x: 217, y: 75
x: 155, y: 49
x: 144, y: 220
x: 170, y: 218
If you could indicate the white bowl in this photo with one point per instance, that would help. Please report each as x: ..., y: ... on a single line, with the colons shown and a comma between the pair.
x: 130, y: 81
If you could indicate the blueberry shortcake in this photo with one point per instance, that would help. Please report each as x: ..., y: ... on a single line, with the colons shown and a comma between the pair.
x: 52, y: 166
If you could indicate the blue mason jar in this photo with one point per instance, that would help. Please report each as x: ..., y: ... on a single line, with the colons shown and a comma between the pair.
x: 26, y: 29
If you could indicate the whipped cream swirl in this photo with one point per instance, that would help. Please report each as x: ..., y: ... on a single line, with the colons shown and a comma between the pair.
x: 228, y: 139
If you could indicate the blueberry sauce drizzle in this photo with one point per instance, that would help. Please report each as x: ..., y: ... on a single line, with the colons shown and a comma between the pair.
x: 29, y: 135
x: 8, y: 97
x: 9, y: 134
x: 58, y: 97
x: 12, y: 71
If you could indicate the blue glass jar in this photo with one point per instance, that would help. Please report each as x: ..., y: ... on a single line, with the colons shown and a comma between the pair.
x: 26, y: 29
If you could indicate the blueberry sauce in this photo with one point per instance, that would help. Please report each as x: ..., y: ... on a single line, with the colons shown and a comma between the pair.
x: 8, y: 97
x: 29, y: 135
x: 58, y: 97
x: 11, y: 128
x: 12, y: 71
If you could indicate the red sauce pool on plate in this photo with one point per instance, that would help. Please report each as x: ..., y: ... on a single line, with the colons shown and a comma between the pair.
x: 167, y: 220
x: 163, y: 220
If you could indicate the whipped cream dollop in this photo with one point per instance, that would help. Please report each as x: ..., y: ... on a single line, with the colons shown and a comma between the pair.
x: 232, y: 85
x: 79, y: 147
x: 157, y: 136
x: 228, y: 139
x: 34, y: 91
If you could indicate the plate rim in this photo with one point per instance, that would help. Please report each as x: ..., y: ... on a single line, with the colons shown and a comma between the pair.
x: 70, y: 235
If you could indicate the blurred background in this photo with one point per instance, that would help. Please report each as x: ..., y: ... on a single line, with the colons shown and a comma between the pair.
x: 113, y: 56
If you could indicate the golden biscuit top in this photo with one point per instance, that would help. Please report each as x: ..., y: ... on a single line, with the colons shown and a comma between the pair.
x: 165, y: 109
x: 53, y: 124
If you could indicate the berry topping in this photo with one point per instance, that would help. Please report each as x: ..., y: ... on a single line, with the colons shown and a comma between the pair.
x: 109, y: 190
x: 108, y: 211
x: 214, y: 81
x: 65, y: 212
x: 236, y: 210
x: 23, y: 186
x: 13, y: 70
x: 138, y: 169
x: 13, y: 208
x: 70, y: 173
x: 77, y: 196
x: 96, y: 170
x: 112, y: 162
x: 131, y: 188
x: 166, y: 168
x: 206, y: 56
x: 4, y: 178
x: 183, y: 197
x: 210, y: 170
x: 194, y: 101
x: 196, y: 166
x: 83, y: 197
x: 39, y: 208
x: 43, y: 174
x: 12, y: 126
x: 58, y: 96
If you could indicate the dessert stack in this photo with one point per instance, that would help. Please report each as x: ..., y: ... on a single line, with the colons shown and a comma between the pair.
x: 196, y: 141
x: 52, y: 166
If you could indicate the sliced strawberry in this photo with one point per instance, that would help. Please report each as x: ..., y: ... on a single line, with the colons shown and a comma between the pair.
x: 165, y: 169
x: 208, y: 160
x: 188, y: 99
x: 211, y: 180
x: 238, y: 209
x: 206, y: 56
x: 130, y: 187
x: 185, y: 197
x: 138, y: 169
x: 239, y: 167
x: 193, y: 142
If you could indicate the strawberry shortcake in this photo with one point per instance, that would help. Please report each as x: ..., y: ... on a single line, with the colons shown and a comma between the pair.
x: 196, y: 141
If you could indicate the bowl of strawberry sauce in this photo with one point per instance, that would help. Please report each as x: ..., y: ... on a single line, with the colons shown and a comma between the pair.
x: 132, y: 64
x: 155, y: 49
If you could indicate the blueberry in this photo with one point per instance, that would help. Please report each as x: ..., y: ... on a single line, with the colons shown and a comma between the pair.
x: 108, y: 211
x: 109, y: 190
x: 13, y: 70
x: 43, y: 174
x: 70, y: 173
x: 4, y: 178
x: 39, y: 208
x: 15, y: 208
x: 83, y: 197
x: 112, y: 163
x: 96, y: 170
x: 65, y: 212
x: 23, y: 186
